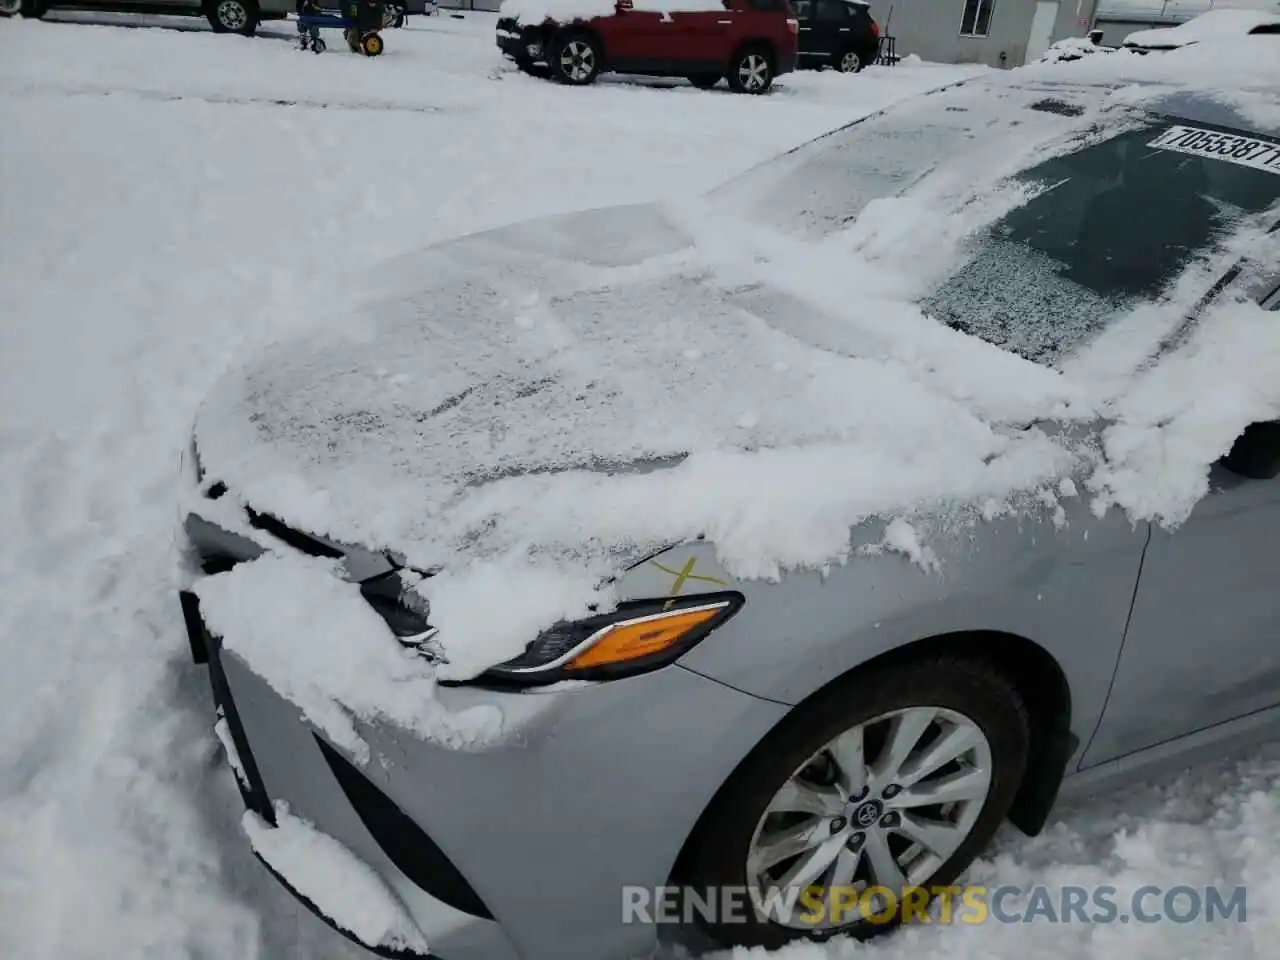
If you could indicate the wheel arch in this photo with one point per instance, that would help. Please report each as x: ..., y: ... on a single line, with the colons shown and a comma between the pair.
x: 764, y: 45
x: 553, y: 32
x: 1039, y: 680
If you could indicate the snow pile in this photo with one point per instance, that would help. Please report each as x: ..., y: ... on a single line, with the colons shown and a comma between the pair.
x: 328, y: 652
x: 341, y: 885
x: 1225, y: 24
x: 1072, y: 48
x: 1185, y: 413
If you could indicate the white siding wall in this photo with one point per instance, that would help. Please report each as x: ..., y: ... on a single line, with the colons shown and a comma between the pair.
x: 931, y: 28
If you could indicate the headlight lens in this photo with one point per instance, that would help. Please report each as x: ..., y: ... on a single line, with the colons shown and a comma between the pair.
x: 635, y: 638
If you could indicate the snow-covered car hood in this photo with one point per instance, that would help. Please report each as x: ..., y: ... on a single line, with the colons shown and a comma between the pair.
x: 531, y: 409
x: 615, y: 381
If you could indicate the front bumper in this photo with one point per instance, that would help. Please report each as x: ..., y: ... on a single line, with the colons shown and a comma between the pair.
x: 519, y: 43
x: 519, y: 851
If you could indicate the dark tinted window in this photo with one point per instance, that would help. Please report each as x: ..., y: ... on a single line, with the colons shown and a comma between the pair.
x: 767, y: 6
x: 977, y: 18
x: 1115, y: 223
x: 803, y: 8
x: 833, y: 10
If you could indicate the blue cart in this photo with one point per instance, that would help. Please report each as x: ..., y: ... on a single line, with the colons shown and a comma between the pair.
x: 359, y: 20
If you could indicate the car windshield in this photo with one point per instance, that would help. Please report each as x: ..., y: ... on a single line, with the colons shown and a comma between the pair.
x: 1112, y: 225
x: 1129, y: 200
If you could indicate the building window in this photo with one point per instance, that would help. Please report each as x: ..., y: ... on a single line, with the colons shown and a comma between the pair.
x: 977, y: 18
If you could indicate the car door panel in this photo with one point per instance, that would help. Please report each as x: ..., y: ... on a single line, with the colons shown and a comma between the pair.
x: 1203, y: 643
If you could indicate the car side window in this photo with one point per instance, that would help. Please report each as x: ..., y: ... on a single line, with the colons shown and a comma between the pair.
x: 803, y: 9
x: 833, y: 11
x: 766, y: 6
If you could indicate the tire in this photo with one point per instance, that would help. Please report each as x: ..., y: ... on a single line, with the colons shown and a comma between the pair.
x: 751, y: 71
x: 576, y: 58
x: 371, y: 45
x: 962, y: 695
x: 11, y: 8
x: 233, y: 16
x: 33, y: 9
x: 850, y: 62
x: 704, y: 81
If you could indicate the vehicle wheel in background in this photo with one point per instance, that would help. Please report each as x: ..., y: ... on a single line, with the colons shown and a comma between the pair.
x: 704, y: 81
x: 894, y: 777
x: 233, y: 16
x: 575, y: 58
x: 850, y: 62
x: 33, y: 9
x: 751, y: 71
x: 10, y: 8
x: 393, y: 15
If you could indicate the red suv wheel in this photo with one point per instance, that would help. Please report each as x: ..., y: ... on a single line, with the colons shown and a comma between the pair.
x: 575, y: 58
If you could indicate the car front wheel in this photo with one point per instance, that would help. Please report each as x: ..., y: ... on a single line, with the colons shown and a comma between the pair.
x: 233, y: 16
x: 575, y: 59
x: 884, y: 785
x: 751, y: 72
x: 10, y: 8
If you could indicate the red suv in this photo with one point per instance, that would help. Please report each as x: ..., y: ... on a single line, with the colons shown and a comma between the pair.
x: 748, y: 42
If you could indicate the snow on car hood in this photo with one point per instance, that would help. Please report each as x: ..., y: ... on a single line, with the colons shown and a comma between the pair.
x: 535, y: 405
x: 531, y: 408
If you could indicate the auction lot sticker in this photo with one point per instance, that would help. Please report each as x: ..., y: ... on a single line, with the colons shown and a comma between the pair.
x: 1243, y: 151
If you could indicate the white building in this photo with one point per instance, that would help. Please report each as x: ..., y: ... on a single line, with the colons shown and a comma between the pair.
x: 1002, y: 33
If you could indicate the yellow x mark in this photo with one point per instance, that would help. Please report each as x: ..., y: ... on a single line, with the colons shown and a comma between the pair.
x: 682, y: 576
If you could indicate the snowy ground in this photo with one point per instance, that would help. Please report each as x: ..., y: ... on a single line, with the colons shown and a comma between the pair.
x: 169, y: 201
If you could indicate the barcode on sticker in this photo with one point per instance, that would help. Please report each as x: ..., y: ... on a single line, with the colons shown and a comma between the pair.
x: 1229, y: 147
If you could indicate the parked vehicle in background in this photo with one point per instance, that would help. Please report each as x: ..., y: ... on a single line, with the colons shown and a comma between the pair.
x: 1215, y: 25
x: 747, y: 42
x: 225, y: 16
x: 837, y: 33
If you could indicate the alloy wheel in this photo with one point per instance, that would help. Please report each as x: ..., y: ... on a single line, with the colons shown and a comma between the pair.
x: 577, y: 60
x: 886, y: 803
x: 753, y: 72
x: 850, y: 63
x: 10, y: 8
x: 232, y: 15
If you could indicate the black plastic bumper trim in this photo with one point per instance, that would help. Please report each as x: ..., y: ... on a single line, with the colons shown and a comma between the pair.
x: 255, y: 792
x: 391, y: 953
x: 403, y: 841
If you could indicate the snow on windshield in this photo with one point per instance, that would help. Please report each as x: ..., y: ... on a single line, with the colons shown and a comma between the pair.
x: 531, y: 409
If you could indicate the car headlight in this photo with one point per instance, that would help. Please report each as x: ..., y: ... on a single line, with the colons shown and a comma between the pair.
x: 635, y: 638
